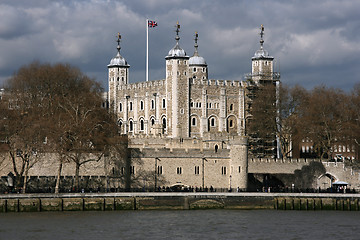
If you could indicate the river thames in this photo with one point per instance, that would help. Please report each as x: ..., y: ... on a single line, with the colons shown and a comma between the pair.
x: 196, y: 224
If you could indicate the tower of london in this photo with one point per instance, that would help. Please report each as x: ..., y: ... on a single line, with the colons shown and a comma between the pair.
x: 187, y: 122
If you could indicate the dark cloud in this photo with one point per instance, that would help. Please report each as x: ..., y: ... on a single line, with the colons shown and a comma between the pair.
x: 313, y: 42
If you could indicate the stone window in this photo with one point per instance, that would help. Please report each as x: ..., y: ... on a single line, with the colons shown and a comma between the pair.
x: 223, y: 170
x: 141, y: 105
x: 197, y: 170
x: 142, y: 127
x: 131, y: 126
x: 132, y: 169
x: 179, y: 170
x: 193, y: 121
x: 231, y: 123
x: 159, y: 170
x: 163, y: 103
x: 152, y: 104
x: 239, y: 169
x: 204, y: 70
x: 212, y: 122
x: 231, y: 107
x: 152, y: 121
x: 194, y: 69
x: 130, y: 106
x: 120, y: 107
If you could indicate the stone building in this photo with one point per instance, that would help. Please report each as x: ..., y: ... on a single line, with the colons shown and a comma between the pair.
x: 187, y: 110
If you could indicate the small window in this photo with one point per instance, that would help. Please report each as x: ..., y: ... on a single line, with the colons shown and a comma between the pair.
x: 142, y: 125
x: 141, y: 105
x: 130, y: 106
x: 197, y: 170
x: 193, y: 121
x: 120, y: 107
x: 194, y: 69
x: 231, y: 123
x: 152, y: 121
x: 131, y: 127
x: 163, y: 103
x: 152, y: 104
x: 223, y: 170
x: 239, y: 169
x: 231, y: 107
x: 159, y: 170
x: 132, y: 169
x: 204, y: 70
x: 212, y: 122
x: 179, y: 170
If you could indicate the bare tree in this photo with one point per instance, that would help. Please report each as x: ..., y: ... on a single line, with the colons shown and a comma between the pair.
x: 322, y: 119
x: 59, y: 106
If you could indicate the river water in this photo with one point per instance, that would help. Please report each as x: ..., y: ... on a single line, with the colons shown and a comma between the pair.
x: 199, y: 224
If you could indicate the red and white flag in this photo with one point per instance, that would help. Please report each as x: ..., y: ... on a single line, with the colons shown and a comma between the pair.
x: 152, y: 24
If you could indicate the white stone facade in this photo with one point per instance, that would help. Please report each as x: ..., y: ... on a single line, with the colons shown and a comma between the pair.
x: 187, y: 106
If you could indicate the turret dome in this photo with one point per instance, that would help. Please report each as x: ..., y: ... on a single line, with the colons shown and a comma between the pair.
x: 196, y: 59
x: 118, y: 60
x: 176, y: 51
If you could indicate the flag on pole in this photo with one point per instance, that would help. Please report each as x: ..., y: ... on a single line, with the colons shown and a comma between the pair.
x: 152, y: 24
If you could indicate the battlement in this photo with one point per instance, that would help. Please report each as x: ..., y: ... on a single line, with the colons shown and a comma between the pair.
x: 216, y: 82
x: 283, y: 161
x: 143, y: 85
x: 186, y: 153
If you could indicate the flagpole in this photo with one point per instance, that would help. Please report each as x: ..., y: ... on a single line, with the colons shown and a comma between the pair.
x: 147, y: 50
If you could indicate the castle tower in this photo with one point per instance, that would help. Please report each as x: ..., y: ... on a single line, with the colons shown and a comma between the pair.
x: 239, y: 163
x: 262, y: 63
x: 197, y: 64
x: 118, y: 74
x: 177, y: 90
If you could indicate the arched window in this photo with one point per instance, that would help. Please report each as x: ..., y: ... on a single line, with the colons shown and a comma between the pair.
x: 164, y: 124
x: 193, y: 121
x: 152, y: 104
x: 212, y: 122
x: 141, y: 105
x: 131, y: 126
x: 152, y: 121
x: 120, y: 107
x: 231, y: 123
x: 142, y: 128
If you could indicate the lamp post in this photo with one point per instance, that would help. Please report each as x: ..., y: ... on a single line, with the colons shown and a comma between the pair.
x: 127, y: 112
x: 203, y: 172
x: 155, y: 178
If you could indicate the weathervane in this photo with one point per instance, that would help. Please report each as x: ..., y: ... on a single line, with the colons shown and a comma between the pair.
x: 261, y: 35
x: 118, y: 41
x: 177, y: 30
x: 196, y: 45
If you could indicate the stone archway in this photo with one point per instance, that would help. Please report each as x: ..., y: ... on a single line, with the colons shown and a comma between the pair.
x: 325, y: 181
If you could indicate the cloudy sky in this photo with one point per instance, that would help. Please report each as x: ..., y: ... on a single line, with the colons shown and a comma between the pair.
x: 314, y: 42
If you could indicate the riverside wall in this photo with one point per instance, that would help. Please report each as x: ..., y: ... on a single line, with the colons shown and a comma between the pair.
x: 176, y: 201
